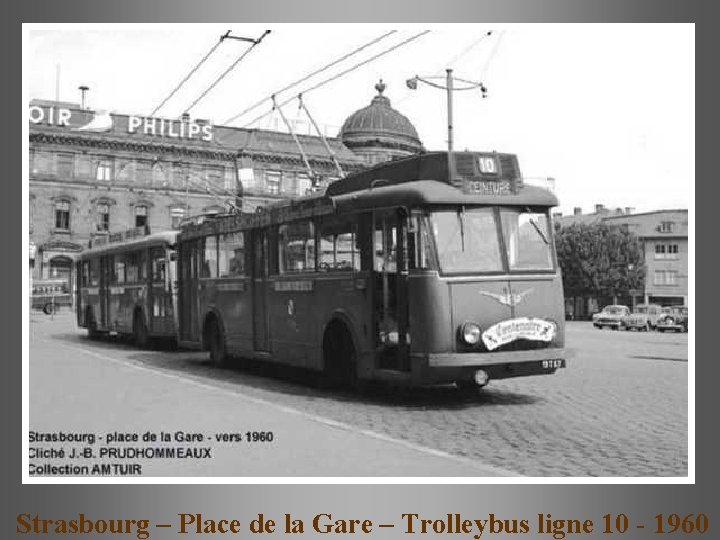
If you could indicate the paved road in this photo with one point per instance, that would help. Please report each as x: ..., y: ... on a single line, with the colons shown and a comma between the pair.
x: 619, y: 409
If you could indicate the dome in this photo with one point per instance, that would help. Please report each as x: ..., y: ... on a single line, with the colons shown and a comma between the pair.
x: 379, y: 132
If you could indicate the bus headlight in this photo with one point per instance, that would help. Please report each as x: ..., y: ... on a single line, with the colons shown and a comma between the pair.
x: 470, y: 333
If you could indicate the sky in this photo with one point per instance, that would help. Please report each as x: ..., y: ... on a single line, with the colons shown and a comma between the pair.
x: 608, y: 111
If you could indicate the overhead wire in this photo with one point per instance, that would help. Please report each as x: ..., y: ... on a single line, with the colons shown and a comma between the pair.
x: 187, y: 77
x: 342, y: 73
x: 316, y: 72
x: 228, y: 70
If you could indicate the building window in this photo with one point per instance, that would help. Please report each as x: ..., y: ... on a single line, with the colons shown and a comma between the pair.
x: 304, y: 185
x: 65, y: 165
x: 104, y: 171
x: 272, y: 182
x: 665, y: 277
x: 177, y: 215
x: 158, y: 175
x: 230, y: 180
x: 103, y: 217
x: 141, y: 215
x: 62, y: 215
x: 666, y: 251
x: 667, y: 227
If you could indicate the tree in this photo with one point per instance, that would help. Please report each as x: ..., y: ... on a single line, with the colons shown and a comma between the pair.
x: 597, y: 260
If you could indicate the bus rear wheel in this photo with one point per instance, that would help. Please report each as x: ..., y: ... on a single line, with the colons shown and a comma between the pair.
x: 49, y: 309
x: 216, y: 344
x: 340, y: 357
x: 140, y: 333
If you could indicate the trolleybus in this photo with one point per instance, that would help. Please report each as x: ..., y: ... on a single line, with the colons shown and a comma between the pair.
x: 439, y: 268
x: 126, y: 285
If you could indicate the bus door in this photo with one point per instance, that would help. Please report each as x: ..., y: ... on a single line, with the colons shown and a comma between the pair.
x: 260, y: 270
x: 190, y: 254
x: 159, y: 298
x: 390, y: 285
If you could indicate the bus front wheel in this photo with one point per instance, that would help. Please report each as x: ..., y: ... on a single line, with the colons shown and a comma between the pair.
x: 49, y: 309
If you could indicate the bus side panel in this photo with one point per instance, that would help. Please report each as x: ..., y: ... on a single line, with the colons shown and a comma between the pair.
x: 293, y: 309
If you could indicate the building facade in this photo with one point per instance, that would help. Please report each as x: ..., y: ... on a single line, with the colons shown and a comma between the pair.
x: 93, y: 173
x: 664, y: 238
x: 664, y: 235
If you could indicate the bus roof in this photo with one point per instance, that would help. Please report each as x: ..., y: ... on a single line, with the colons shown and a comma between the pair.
x: 432, y: 192
x: 155, y: 239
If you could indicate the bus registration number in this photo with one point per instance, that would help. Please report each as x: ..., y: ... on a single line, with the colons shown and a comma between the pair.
x: 520, y: 328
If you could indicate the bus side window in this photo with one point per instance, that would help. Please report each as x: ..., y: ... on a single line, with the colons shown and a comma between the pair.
x: 85, y: 274
x: 157, y: 256
x: 94, y: 271
x: 119, y: 269
x: 209, y: 267
x: 296, y: 247
x: 419, y: 245
x: 132, y: 273
x: 339, y: 247
x: 385, y: 241
x: 231, y: 254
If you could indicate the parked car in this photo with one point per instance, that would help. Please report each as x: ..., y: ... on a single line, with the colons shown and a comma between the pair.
x: 50, y: 294
x: 674, y: 318
x: 644, y: 317
x: 610, y: 316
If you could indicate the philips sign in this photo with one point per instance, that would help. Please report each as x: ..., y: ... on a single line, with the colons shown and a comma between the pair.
x: 169, y: 128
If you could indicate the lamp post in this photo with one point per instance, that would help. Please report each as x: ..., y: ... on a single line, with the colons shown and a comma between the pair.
x: 449, y: 87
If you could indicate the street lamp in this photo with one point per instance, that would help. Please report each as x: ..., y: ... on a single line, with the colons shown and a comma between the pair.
x: 449, y: 87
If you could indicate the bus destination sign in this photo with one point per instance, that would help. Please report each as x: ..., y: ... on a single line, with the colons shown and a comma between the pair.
x: 488, y: 187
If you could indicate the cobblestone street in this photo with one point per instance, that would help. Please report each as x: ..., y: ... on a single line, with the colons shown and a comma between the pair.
x: 619, y: 409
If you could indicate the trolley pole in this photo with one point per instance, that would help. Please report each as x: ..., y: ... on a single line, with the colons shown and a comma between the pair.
x: 449, y: 88
x: 451, y: 156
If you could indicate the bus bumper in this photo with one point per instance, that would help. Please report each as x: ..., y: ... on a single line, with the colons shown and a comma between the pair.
x: 448, y: 368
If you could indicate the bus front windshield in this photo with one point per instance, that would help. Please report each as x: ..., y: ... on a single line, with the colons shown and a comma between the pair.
x: 467, y: 240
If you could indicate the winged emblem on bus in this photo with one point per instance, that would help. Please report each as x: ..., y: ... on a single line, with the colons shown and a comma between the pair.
x: 508, y: 299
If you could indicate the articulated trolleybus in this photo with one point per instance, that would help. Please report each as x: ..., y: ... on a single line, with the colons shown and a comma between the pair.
x: 435, y: 269
x: 126, y: 285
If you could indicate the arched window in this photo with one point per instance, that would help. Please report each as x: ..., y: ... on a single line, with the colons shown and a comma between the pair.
x: 60, y: 267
